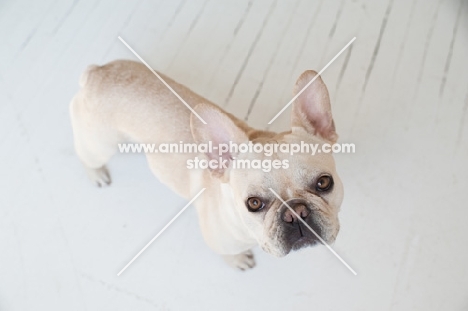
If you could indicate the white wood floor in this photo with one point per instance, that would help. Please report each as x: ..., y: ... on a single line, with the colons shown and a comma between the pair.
x: 400, y: 93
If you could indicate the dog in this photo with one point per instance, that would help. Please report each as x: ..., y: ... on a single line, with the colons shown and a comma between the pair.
x: 123, y: 101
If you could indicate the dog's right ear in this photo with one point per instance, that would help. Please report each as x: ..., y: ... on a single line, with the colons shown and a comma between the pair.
x: 219, y: 129
x: 311, y: 110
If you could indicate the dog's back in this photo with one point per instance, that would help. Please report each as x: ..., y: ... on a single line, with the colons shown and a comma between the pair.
x: 124, y: 101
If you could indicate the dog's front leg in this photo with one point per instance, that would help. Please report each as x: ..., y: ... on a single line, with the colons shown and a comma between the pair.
x: 242, y: 261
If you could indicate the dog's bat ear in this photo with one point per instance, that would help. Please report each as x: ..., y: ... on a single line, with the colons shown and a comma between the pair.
x: 311, y: 109
x: 219, y: 129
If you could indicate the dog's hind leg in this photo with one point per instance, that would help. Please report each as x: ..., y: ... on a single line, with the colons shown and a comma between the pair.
x: 94, y: 143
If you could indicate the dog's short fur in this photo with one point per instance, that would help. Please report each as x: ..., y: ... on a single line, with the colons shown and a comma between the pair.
x: 123, y: 101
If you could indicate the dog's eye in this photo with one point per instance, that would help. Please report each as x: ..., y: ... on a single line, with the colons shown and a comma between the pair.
x: 324, y: 183
x: 254, y: 204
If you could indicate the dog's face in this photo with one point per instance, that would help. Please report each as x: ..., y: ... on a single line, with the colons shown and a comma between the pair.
x: 279, y: 207
x: 310, y: 187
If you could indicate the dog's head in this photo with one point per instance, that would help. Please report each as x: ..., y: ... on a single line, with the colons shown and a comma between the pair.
x: 279, y: 207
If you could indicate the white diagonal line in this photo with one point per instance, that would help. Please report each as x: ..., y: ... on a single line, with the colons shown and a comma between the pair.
x: 160, y: 232
x: 164, y: 82
x: 315, y: 233
x: 311, y: 81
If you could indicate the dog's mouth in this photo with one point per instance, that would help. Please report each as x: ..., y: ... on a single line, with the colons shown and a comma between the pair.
x: 288, y: 245
x: 302, y: 236
x: 295, y: 236
x: 305, y: 242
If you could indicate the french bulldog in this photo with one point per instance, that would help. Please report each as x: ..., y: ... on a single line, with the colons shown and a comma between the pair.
x: 123, y: 101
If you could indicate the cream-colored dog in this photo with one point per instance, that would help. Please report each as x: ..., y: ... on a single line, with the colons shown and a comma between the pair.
x: 123, y: 101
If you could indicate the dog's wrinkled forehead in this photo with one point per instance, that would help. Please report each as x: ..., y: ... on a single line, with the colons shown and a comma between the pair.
x: 302, y: 168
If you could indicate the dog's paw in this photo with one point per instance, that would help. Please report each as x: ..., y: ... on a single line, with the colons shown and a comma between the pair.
x: 242, y: 261
x: 99, y: 176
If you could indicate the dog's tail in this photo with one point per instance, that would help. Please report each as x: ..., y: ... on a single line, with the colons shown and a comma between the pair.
x: 84, y: 77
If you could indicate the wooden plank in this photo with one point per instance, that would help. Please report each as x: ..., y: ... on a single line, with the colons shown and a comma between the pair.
x: 233, y: 63
x: 226, y: 31
x: 310, y: 56
x: 174, y: 37
x: 136, y: 23
x: 257, y: 66
x: 157, y: 18
x: 200, y: 54
x: 451, y: 109
x: 278, y: 76
x: 19, y: 26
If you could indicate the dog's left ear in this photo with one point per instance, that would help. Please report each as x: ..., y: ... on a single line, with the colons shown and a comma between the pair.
x: 311, y: 110
x: 219, y: 129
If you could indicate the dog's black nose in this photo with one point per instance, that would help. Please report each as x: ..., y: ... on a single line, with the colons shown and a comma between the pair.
x: 299, y: 208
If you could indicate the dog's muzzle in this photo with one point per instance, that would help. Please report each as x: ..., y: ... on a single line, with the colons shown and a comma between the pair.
x: 296, y: 233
